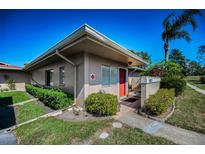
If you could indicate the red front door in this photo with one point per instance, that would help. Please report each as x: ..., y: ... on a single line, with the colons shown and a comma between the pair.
x: 122, y: 77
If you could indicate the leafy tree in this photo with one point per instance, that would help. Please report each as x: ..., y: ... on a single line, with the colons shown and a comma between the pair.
x: 194, y: 68
x: 177, y: 57
x: 144, y: 55
x: 173, y: 28
x: 201, y: 54
x: 165, y: 69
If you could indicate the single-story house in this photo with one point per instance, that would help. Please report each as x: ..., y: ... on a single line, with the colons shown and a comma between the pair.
x: 16, y: 73
x: 84, y: 62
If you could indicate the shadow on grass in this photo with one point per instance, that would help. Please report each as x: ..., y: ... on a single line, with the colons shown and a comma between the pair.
x: 7, y: 113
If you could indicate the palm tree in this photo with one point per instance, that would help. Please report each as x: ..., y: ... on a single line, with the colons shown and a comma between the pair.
x: 173, y: 28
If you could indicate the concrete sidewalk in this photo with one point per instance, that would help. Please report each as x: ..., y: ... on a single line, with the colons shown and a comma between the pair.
x: 7, y: 138
x: 196, y: 88
x: 175, y: 134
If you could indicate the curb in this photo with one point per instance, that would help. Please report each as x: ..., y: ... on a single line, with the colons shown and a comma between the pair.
x: 24, y: 102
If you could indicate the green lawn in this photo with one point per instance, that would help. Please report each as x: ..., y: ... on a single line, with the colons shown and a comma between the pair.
x: 195, y: 80
x: 132, y: 136
x: 56, y: 131
x: 17, y: 96
x: 190, y: 111
x: 28, y: 111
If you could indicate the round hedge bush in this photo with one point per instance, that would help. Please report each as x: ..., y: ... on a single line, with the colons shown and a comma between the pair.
x: 101, y: 104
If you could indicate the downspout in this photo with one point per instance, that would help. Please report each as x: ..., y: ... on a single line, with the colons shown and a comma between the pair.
x: 75, y: 70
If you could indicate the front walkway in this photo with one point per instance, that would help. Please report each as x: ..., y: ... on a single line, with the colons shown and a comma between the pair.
x: 175, y: 134
x: 196, y: 88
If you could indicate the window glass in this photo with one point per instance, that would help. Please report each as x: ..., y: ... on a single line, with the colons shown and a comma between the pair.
x: 113, y: 75
x: 105, y: 75
x: 62, y: 75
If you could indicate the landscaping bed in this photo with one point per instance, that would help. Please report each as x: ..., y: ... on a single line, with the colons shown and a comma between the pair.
x: 190, y: 111
x: 17, y: 96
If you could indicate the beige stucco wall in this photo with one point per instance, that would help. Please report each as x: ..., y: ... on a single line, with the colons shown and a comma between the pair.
x: 21, y: 78
x: 93, y: 65
x: 39, y: 75
x: 86, y: 65
x: 149, y: 86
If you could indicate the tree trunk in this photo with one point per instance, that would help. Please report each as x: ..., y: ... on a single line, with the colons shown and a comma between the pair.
x: 166, y: 49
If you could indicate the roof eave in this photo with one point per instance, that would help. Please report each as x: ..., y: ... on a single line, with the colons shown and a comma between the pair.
x: 85, y: 29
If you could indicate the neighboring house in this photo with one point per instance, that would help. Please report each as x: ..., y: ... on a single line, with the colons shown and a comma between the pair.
x: 85, y: 62
x: 16, y: 73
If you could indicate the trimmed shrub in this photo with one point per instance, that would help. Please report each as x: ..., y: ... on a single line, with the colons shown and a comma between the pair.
x: 202, y: 79
x: 55, y: 99
x: 159, y: 102
x: 101, y: 104
x: 176, y: 83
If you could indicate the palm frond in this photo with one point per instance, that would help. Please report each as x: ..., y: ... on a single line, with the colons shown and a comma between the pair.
x: 187, y: 17
x: 168, y: 21
x: 181, y: 35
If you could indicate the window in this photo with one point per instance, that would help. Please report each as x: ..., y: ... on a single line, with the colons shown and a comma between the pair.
x: 105, y: 75
x: 49, y: 77
x: 113, y: 75
x: 109, y: 75
x: 62, y: 75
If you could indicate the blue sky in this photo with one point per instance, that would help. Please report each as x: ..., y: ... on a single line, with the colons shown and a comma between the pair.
x: 25, y: 34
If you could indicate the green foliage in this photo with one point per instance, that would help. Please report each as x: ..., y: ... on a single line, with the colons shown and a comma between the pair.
x: 177, y: 57
x: 176, y: 83
x: 11, y: 84
x: 202, y: 79
x: 159, y: 102
x: 101, y: 104
x: 53, y: 98
x: 164, y: 69
x: 143, y: 54
x: 194, y: 68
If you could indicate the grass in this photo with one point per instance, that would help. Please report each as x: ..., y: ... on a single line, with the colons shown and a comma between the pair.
x: 190, y: 111
x: 132, y: 136
x: 17, y: 96
x: 195, y: 80
x: 29, y: 111
x: 56, y: 131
